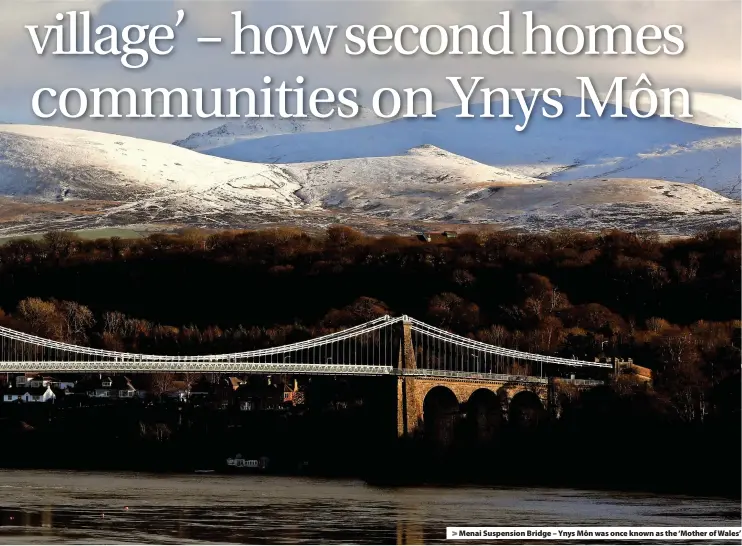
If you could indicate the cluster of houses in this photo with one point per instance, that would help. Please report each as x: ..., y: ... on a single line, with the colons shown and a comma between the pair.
x: 252, y: 395
x: 247, y: 393
x: 45, y: 388
x: 34, y: 388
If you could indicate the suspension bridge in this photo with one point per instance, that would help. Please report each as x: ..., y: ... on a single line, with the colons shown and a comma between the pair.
x: 371, y: 349
x: 431, y: 366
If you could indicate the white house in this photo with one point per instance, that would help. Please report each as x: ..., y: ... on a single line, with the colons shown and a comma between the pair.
x: 41, y: 394
x: 117, y: 386
x: 35, y: 381
x: 60, y: 384
x: 22, y: 380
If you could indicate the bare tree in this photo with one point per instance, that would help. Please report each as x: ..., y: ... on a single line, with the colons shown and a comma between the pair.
x: 191, y: 378
x: 449, y: 309
x: 113, y: 322
x: 60, y: 243
x: 494, y: 335
x: 78, y: 319
x: 162, y: 383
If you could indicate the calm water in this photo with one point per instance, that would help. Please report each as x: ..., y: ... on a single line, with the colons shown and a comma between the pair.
x: 48, y: 507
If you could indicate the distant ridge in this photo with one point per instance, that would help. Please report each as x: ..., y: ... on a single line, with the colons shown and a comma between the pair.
x: 69, y: 179
x: 562, y: 149
x: 251, y: 128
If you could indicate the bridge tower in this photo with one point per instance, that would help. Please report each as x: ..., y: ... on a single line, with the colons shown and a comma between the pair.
x: 409, y: 408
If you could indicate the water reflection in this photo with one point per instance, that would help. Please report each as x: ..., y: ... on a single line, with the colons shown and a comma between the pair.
x: 410, y: 517
x: 128, y: 508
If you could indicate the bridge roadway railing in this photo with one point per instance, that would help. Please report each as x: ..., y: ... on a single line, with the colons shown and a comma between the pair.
x: 581, y: 382
x: 262, y: 367
x: 464, y: 375
x: 146, y: 366
x: 496, y: 377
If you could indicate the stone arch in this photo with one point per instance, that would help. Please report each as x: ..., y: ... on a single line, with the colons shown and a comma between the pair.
x: 441, y: 414
x: 526, y: 409
x: 484, y: 414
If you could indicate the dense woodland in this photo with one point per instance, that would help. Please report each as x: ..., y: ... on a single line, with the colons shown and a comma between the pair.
x: 673, y: 306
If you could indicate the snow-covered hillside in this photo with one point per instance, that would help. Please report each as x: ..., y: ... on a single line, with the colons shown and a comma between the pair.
x: 57, y: 164
x: 671, y: 208
x: 52, y: 178
x: 712, y: 110
x: 251, y: 128
x: 566, y: 148
x: 424, y: 178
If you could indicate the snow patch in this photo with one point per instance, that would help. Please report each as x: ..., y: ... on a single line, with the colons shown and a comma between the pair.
x: 566, y: 148
x: 55, y: 178
x: 56, y: 164
x: 252, y: 128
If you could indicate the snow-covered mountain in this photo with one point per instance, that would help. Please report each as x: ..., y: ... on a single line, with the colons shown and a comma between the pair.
x: 426, y: 176
x: 53, y: 178
x: 671, y: 208
x: 250, y: 128
x: 56, y: 164
x: 562, y: 149
x: 712, y: 110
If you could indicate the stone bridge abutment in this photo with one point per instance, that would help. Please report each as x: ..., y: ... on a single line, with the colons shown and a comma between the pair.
x: 419, y: 398
x: 486, y: 403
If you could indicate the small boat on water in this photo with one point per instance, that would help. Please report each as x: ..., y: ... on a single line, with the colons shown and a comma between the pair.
x: 238, y: 463
x: 204, y: 471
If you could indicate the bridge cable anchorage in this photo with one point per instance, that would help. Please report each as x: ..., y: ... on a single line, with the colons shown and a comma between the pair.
x: 371, y: 348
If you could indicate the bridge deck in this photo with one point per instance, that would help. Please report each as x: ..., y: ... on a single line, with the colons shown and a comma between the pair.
x: 370, y: 349
x: 262, y: 368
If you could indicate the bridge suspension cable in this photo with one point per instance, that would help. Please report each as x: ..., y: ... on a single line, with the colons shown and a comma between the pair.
x: 360, y: 350
x: 371, y: 348
x: 437, y: 349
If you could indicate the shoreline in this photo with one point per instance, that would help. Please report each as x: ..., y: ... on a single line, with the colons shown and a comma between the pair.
x: 420, y: 480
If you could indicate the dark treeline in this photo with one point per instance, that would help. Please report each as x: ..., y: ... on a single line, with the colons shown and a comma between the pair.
x: 606, y: 440
x: 673, y: 306
x: 616, y: 437
x: 167, y: 436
